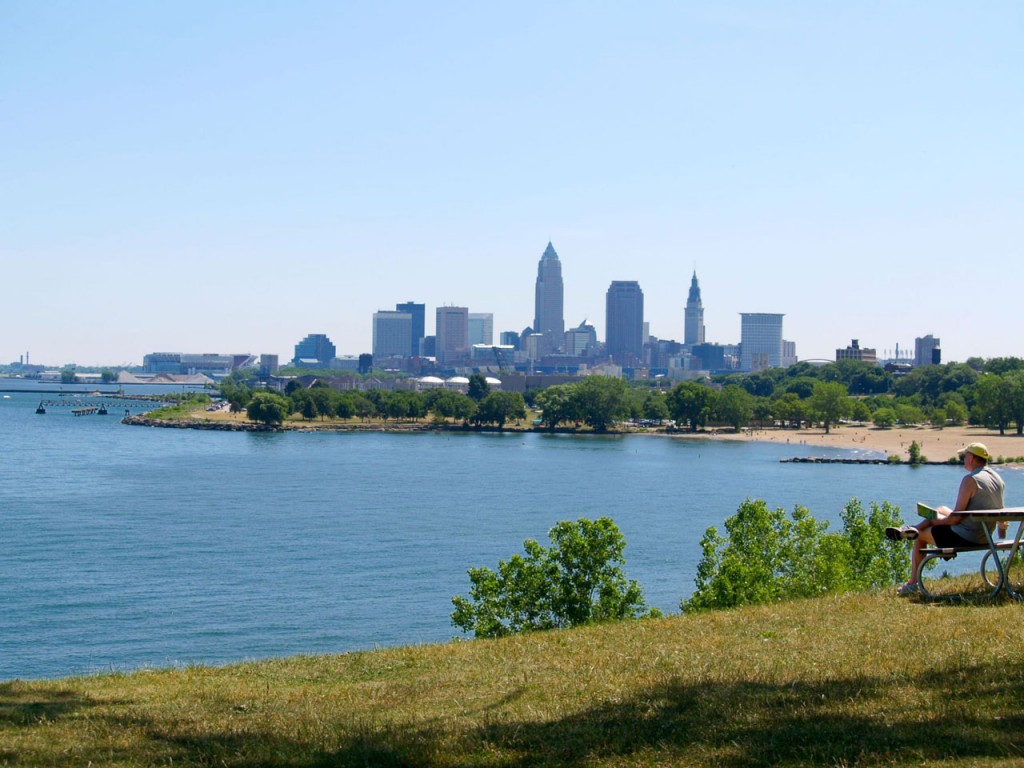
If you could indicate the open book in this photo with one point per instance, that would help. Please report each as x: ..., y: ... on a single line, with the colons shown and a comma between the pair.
x: 928, y: 513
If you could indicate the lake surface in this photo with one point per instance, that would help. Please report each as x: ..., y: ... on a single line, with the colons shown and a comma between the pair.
x: 123, y: 547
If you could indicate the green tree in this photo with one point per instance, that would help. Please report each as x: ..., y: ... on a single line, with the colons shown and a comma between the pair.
x: 956, y: 413
x: 1013, y: 391
x: 452, y: 405
x: 557, y: 405
x: 499, y: 407
x: 1001, y: 365
x: 802, y: 386
x: 68, y: 376
x: 577, y: 580
x: 828, y: 402
x: 655, y: 407
x: 268, y: 408
x: 992, y: 402
x: 601, y: 401
x: 349, y: 404
x: 309, y: 409
x: 108, y: 376
x: 478, y: 387
x: 790, y: 409
x: 691, y: 403
x: 735, y: 406
x: 884, y: 417
x: 907, y: 413
x: 859, y: 411
x: 762, y: 383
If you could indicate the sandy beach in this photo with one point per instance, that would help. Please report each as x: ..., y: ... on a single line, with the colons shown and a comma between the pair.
x: 936, y: 444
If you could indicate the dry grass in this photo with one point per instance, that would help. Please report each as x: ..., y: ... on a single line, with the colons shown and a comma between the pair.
x: 852, y: 680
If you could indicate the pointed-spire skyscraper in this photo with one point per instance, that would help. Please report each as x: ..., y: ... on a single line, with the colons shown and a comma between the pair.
x: 548, y: 315
x: 693, y: 330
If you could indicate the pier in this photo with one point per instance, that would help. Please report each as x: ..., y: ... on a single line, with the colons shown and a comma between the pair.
x: 78, y: 407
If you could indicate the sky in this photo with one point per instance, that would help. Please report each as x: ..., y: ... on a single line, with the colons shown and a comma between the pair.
x: 229, y: 177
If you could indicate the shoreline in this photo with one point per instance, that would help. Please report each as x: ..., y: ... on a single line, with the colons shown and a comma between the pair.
x: 938, y: 445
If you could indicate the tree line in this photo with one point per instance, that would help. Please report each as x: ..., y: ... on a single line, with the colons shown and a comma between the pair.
x: 988, y: 393
x: 480, y: 406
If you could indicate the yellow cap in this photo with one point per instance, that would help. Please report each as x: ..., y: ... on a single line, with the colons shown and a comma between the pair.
x: 978, y: 449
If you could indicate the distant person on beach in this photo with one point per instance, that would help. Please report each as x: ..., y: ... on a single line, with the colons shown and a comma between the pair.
x: 982, y: 488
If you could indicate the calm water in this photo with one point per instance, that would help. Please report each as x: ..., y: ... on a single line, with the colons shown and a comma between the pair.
x: 123, y: 547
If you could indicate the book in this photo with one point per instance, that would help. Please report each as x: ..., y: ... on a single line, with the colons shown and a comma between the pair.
x: 928, y: 513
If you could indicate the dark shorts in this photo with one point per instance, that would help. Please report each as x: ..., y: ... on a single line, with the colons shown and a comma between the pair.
x: 945, y: 536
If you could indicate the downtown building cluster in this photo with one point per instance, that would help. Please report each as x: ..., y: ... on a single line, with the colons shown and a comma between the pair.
x: 465, y: 341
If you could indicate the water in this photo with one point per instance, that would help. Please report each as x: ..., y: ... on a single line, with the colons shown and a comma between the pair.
x: 123, y: 547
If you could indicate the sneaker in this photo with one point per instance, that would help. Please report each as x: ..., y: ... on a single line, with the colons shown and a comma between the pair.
x: 902, y: 533
x: 910, y: 588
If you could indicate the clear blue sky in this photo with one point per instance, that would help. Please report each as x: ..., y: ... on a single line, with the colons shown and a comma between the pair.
x: 230, y: 176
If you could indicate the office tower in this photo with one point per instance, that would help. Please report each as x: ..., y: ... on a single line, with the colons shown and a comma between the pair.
x: 927, y: 351
x: 548, y: 317
x: 481, y: 328
x: 581, y: 339
x: 624, y: 322
x: 452, y: 333
x: 418, y: 312
x: 392, y: 332
x: 315, y: 348
x: 760, y: 341
x: 693, y: 330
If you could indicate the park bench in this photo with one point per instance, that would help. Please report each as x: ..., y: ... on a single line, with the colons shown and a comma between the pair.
x: 992, y: 549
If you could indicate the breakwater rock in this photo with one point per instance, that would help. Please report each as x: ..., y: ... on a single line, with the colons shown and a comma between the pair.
x: 823, y: 460
x: 220, y: 426
x: 250, y: 426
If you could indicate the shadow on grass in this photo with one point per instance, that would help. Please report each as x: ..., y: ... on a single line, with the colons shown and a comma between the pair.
x: 764, y: 724
x: 743, y: 724
x: 23, y: 706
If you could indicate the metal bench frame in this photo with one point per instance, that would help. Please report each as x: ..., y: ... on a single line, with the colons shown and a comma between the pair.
x: 950, y: 553
x: 991, y: 548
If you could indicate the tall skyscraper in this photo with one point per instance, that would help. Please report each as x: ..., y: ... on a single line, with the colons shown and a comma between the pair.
x: 624, y: 322
x: 391, y: 334
x: 418, y: 312
x: 760, y: 341
x: 548, y: 316
x: 481, y: 328
x: 452, y: 333
x: 693, y: 330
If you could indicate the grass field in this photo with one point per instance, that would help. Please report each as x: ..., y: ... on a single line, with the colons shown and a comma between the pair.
x: 840, y: 681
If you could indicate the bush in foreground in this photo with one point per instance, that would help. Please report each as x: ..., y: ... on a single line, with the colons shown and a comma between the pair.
x: 578, y: 580
x: 766, y: 557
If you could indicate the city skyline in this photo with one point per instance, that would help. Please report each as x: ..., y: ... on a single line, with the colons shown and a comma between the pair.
x: 229, y: 178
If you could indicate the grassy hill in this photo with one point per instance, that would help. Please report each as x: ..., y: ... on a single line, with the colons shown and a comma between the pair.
x: 840, y: 681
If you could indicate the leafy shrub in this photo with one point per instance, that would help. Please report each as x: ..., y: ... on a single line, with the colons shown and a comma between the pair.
x: 578, y: 580
x: 914, y: 452
x: 766, y: 557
